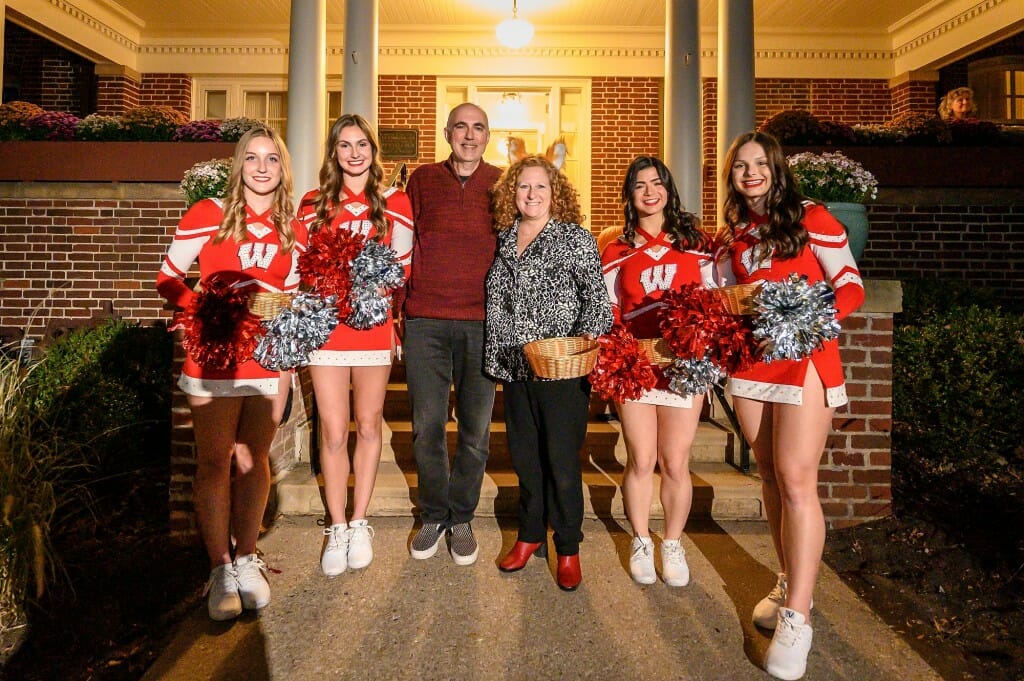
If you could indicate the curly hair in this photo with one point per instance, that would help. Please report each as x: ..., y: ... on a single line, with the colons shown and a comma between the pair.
x: 332, y: 179
x: 233, y: 223
x: 946, y: 105
x: 784, y: 234
x: 682, y: 226
x: 565, y: 202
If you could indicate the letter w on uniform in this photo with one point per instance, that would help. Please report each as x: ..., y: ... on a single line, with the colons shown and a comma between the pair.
x: 256, y: 255
x: 658, y: 278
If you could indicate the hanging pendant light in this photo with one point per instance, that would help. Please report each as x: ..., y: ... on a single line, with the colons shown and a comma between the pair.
x: 514, y: 32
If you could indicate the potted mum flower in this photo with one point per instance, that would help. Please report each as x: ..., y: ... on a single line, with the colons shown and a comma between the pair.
x: 843, y: 185
x: 206, y: 180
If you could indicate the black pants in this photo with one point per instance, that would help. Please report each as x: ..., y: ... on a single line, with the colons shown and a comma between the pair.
x: 546, y: 423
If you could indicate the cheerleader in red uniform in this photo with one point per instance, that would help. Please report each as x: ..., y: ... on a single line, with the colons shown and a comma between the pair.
x: 351, y: 197
x: 661, y: 249
x: 785, y: 407
x: 251, y: 241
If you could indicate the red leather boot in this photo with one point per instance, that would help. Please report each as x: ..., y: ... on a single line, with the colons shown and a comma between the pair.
x: 517, y: 558
x: 569, y: 575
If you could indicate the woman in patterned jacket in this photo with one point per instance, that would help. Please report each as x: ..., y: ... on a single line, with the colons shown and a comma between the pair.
x: 785, y: 407
x: 545, y: 282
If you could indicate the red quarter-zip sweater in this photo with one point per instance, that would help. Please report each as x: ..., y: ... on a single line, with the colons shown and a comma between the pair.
x: 453, y: 243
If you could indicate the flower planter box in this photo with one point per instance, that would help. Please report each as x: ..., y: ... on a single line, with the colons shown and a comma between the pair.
x: 104, y: 161
x: 950, y: 166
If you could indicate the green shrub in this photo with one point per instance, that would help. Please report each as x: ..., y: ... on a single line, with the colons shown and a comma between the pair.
x: 106, y: 393
x: 924, y: 298
x: 30, y: 467
x: 958, y: 423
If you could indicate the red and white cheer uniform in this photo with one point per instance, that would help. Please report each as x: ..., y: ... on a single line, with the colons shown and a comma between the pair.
x: 258, y: 264
x: 825, y: 257
x: 371, y: 347
x: 637, y: 278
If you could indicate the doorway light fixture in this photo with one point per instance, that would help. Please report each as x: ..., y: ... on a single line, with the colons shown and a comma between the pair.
x: 515, y: 32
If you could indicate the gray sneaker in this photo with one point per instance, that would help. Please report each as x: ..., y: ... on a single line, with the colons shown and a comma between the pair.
x: 425, y: 543
x: 464, y: 547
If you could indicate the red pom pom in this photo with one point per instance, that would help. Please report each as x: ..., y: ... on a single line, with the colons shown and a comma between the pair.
x: 622, y: 371
x: 326, y: 266
x: 696, y: 324
x: 220, y: 332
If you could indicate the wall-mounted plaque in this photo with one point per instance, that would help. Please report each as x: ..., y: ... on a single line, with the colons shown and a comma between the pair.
x: 399, y: 143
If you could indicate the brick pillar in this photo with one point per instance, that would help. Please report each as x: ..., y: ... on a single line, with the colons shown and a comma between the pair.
x: 914, y: 92
x: 117, y: 89
x: 855, y: 474
x: 167, y: 89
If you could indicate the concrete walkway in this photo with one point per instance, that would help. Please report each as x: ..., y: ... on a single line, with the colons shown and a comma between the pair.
x: 408, y: 619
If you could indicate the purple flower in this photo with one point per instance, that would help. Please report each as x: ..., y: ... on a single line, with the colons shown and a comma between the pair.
x: 199, y: 131
x: 52, y: 125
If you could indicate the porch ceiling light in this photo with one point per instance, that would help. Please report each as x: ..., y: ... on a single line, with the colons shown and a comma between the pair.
x: 514, y: 32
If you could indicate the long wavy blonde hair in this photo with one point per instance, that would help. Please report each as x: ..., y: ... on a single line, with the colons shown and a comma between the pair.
x: 565, y: 202
x: 332, y: 179
x: 233, y: 223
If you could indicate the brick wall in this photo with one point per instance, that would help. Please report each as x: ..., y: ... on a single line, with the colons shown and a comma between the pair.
x: 914, y: 96
x: 849, y: 100
x: 854, y: 478
x: 46, y: 74
x: 57, y: 85
x: 625, y: 122
x: 167, y: 89
x: 409, y: 102
x: 949, y: 234
x: 116, y: 94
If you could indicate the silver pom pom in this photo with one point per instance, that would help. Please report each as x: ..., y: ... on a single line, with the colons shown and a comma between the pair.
x: 795, y: 317
x: 375, y: 269
x: 297, y: 331
x: 688, y: 377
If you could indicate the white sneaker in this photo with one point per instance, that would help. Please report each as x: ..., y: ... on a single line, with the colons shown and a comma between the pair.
x: 787, y: 653
x: 766, y: 612
x: 641, y: 562
x: 674, y: 569
x: 335, y: 558
x: 360, y: 549
x: 253, y: 587
x: 223, y: 602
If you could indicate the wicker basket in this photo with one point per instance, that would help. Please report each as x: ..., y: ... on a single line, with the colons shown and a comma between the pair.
x: 266, y: 305
x: 739, y: 299
x: 657, y: 351
x: 569, y: 357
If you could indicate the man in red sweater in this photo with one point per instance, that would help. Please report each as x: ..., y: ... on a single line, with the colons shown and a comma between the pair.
x: 453, y: 246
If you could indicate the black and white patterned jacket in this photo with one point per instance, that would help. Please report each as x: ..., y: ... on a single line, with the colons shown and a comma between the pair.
x: 553, y: 289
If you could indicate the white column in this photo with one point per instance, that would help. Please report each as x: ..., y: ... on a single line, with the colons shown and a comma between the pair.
x: 307, y: 91
x: 735, y: 76
x: 359, y: 88
x: 683, y: 113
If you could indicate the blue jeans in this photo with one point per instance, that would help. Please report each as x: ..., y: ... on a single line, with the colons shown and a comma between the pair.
x: 438, y: 354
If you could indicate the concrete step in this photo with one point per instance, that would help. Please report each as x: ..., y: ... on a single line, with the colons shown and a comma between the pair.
x: 720, y: 492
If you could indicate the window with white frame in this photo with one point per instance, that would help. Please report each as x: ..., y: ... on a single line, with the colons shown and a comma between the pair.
x: 265, y: 99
